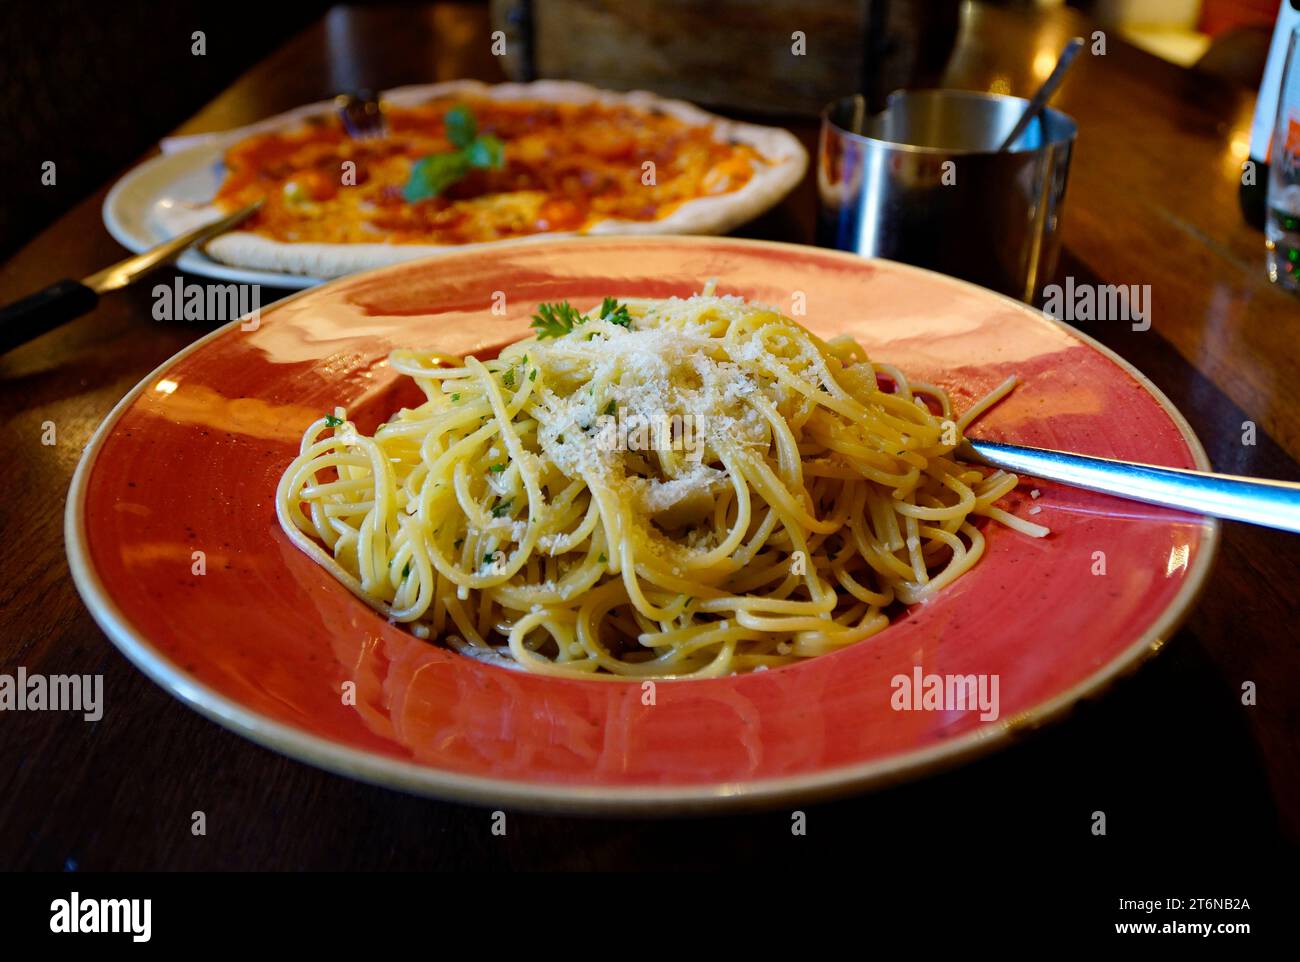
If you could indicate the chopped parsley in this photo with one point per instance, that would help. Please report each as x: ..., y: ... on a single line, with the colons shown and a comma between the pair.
x: 556, y: 320
x: 508, y: 379
x: 406, y: 570
x: 532, y: 375
x: 601, y: 560
x: 500, y: 508
x: 614, y: 312
x: 455, y: 398
x: 497, y: 468
x: 332, y: 421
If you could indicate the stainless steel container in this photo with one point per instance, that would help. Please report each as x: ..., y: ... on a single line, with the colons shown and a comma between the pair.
x: 922, y: 182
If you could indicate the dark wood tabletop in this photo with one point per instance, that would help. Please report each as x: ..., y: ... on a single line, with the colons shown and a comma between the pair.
x: 1171, y: 754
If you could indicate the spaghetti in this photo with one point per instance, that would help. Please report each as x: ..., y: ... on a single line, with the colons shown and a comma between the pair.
x: 658, y: 488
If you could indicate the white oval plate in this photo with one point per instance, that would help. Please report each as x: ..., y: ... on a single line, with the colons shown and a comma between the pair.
x: 140, y: 209
x: 172, y: 193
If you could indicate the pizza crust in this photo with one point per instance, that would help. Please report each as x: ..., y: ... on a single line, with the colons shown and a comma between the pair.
x: 704, y: 215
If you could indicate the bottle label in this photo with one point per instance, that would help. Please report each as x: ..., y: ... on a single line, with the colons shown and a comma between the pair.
x: 1270, y: 88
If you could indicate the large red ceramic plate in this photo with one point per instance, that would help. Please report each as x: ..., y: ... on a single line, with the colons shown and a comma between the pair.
x: 264, y: 642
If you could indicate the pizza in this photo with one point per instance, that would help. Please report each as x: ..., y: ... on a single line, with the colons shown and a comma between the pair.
x: 466, y: 164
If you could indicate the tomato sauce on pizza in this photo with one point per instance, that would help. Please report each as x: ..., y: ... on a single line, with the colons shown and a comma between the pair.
x: 563, y: 167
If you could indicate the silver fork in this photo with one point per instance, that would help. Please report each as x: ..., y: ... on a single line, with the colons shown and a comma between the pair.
x: 362, y: 115
x: 1273, y: 504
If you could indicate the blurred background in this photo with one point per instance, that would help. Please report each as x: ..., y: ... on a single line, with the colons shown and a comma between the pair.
x: 77, y: 85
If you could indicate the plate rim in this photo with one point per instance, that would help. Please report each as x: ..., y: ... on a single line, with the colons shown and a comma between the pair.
x: 415, y: 778
x: 191, y: 261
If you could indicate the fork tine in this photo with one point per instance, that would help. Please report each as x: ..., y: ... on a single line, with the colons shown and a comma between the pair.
x: 362, y: 115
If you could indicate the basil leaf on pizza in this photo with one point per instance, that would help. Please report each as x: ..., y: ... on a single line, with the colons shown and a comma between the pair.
x: 461, y: 126
x: 486, y: 152
x: 430, y: 176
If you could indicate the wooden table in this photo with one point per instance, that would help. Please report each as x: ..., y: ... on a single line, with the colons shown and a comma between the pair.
x: 1170, y: 754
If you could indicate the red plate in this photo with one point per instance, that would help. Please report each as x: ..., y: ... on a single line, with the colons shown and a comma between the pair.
x: 264, y: 642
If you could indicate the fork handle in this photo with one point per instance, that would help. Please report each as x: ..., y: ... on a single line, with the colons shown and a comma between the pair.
x: 1273, y: 504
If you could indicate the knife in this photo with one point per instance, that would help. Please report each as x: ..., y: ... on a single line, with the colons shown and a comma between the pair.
x: 66, y: 299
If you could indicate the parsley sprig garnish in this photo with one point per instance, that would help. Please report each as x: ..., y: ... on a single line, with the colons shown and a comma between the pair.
x: 556, y: 320
x: 614, y: 312
x: 433, y: 174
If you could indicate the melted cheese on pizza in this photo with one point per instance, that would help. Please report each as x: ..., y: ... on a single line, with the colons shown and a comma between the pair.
x: 566, y: 167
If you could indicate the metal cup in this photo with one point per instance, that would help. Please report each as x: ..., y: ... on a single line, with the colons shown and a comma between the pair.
x: 923, y: 182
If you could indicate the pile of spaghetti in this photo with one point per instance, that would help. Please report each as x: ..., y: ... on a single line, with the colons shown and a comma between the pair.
x: 652, y: 488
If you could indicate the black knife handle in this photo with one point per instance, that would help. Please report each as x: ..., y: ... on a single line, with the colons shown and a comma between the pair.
x: 44, y: 311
